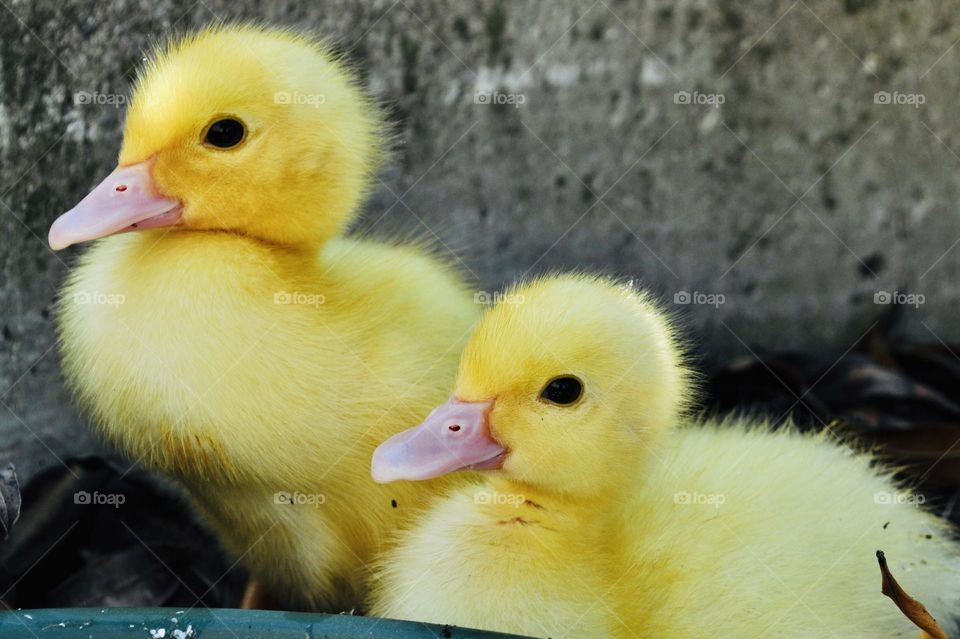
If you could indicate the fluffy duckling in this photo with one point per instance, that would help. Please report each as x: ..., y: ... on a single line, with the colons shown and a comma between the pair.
x: 236, y: 341
x: 599, y: 517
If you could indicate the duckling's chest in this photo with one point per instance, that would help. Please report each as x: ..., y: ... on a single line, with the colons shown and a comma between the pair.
x: 517, y: 569
x: 193, y: 354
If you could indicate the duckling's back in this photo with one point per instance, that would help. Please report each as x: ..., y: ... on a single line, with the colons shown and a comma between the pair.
x: 742, y: 533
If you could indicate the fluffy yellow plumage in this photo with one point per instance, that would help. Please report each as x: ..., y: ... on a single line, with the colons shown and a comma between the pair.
x: 612, y: 515
x: 247, y: 349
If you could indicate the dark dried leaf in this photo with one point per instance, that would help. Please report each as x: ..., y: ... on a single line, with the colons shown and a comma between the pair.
x: 913, y: 609
x: 9, y: 500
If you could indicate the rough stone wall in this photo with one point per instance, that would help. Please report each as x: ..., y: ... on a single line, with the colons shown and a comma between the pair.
x: 737, y: 149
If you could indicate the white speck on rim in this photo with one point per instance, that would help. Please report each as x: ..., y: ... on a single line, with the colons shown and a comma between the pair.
x: 183, y: 634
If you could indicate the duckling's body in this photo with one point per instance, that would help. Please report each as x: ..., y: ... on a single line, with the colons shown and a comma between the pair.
x: 222, y: 330
x: 717, y: 540
x: 602, y: 522
x: 249, y: 371
x: 790, y: 551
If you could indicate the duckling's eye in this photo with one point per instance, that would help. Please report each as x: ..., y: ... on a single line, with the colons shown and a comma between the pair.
x: 563, y: 391
x: 225, y: 133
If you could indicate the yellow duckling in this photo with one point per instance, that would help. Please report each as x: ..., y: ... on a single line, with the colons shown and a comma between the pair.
x: 599, y: 518
x: 235, y: 341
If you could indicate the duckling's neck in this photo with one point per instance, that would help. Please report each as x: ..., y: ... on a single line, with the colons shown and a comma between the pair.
x: 524, y: 503
x: 306, y: 249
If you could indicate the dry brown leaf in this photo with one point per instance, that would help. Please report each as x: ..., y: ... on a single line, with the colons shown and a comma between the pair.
x: 909, y: 606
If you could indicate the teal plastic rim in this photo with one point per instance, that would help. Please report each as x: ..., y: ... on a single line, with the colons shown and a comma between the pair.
x: 215, y: 623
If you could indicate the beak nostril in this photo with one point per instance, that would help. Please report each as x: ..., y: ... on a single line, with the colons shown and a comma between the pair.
x: 121, y: 188
x: 454, y: 427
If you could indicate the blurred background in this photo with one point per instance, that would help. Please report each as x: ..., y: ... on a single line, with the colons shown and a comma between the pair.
x: 784, y: 174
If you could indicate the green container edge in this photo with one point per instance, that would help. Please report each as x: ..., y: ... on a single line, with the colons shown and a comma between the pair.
x: 215, y: 623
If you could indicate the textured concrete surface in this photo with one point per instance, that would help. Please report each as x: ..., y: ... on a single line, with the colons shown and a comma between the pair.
x: 735, y: 151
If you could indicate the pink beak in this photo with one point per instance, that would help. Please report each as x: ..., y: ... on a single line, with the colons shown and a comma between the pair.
x: 455, y: 436
x: 127, y: 200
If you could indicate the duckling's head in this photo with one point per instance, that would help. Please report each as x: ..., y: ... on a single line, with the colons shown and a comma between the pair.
x: 256, y: 131
x: 567, y: 380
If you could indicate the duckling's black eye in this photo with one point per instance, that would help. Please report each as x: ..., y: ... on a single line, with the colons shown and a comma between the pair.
x: 564, y: 390
x: 224, y: 133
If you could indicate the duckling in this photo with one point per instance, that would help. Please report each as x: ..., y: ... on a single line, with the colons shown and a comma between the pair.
x: 608, y: 511
x: 223, y: 329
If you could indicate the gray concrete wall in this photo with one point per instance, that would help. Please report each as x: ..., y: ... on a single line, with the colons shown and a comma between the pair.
x: 725, y: 148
